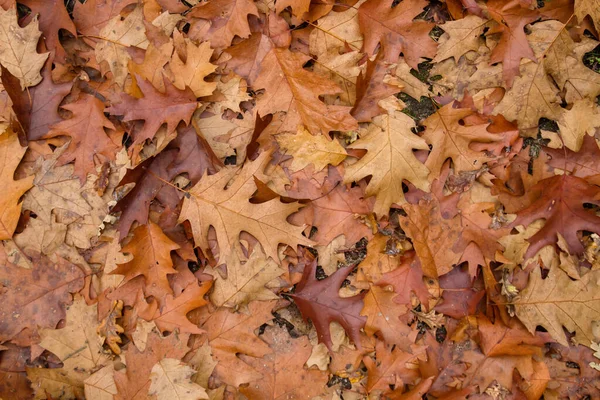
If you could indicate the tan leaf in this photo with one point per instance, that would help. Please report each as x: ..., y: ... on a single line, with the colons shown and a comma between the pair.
x: 18, y: 48
x: 433, y: 236
x: 194, y: 70
x: 171, y: 380
x: 116, y: 36
x: 101, y: 384
x: 221, y: 201
x: 246, y: 280
x: 78, y: 346
x: 389, y: 160
x: 226, y: 137
x: 581, y: 120
x: 557, y: 302
x: 309, y: 149
x: 460, y: 37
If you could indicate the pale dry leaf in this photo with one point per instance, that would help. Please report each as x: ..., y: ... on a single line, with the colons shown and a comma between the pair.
x: 18, y: 52
x: 246, y: 280
x: 170, y: 379
x: 581, y: 120
x: 557, y: 302
x: 115, y: 37
x: 308, y: 149
x: 101, y: 384
x: 389, y: 142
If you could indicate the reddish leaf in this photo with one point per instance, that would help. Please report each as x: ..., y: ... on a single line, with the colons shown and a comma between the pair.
x: 35, y: 298
x: 560, y: 201
x: 394, y: 28
x: 320, y: 302
x: 155, y: 109
x: 53, y: 17
x: 88, y: 137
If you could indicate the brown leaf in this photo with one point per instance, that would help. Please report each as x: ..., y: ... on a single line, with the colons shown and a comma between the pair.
x: 284, y: 373
x: 228, y: 18
x: 36, y: 297
x: 89, y: 140
x: 290, y: 88
x: 221, y: 201
x: 231, y: 334
x: 151, y: 250
x: 394, y: 29
x: 560, y: 200
x: 173, y: 315
x: 135, y: 379
x: 175, y: 105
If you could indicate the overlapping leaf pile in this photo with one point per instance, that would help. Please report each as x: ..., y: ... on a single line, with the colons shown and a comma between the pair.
x: 300, y: 199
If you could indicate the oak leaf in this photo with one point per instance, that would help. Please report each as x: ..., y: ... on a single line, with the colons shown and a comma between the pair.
x: 406, y: 279
x: 320, y: 302
x: 187, y: 153
x: 290, y: 88
x: 460, y: 37
x: 226, y: 137
x: 452, y: 138
x: 384, y: 315
x: 581, y: 120
x: 246, y: 280
x: 36, y: 297
x: 284, y: 374
x: 78, y: 346
x: 174, y: 106
x: 18, y: 48
x: 560, y: 200
x: 395, y: 29
x: 231, y: 334
x: 335, y: 213
x: 309, y: 149
x: 372, y: 87
x: 170, y: 379
x: 583, y: 163
x: 511, y: 20
x: 135, y: 379
x: 173, y: 315
x: 37, y: 109
x: 393, y: 367
x: 229, y: 18
x: 90, y: 17
x: 192, y: 72
x: 299, y: 7
x: 11, y: 153
x: 221, y: 201
x: 433, y: 236
x: 389, y: 142
x: 89, y: 140
x: 115, y: 37
x: 151, y: 69
x: 557, y: 302
x: 101, y: 384
x: 53, y: 17
x: 151, y: 251
x: 587, y: 7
